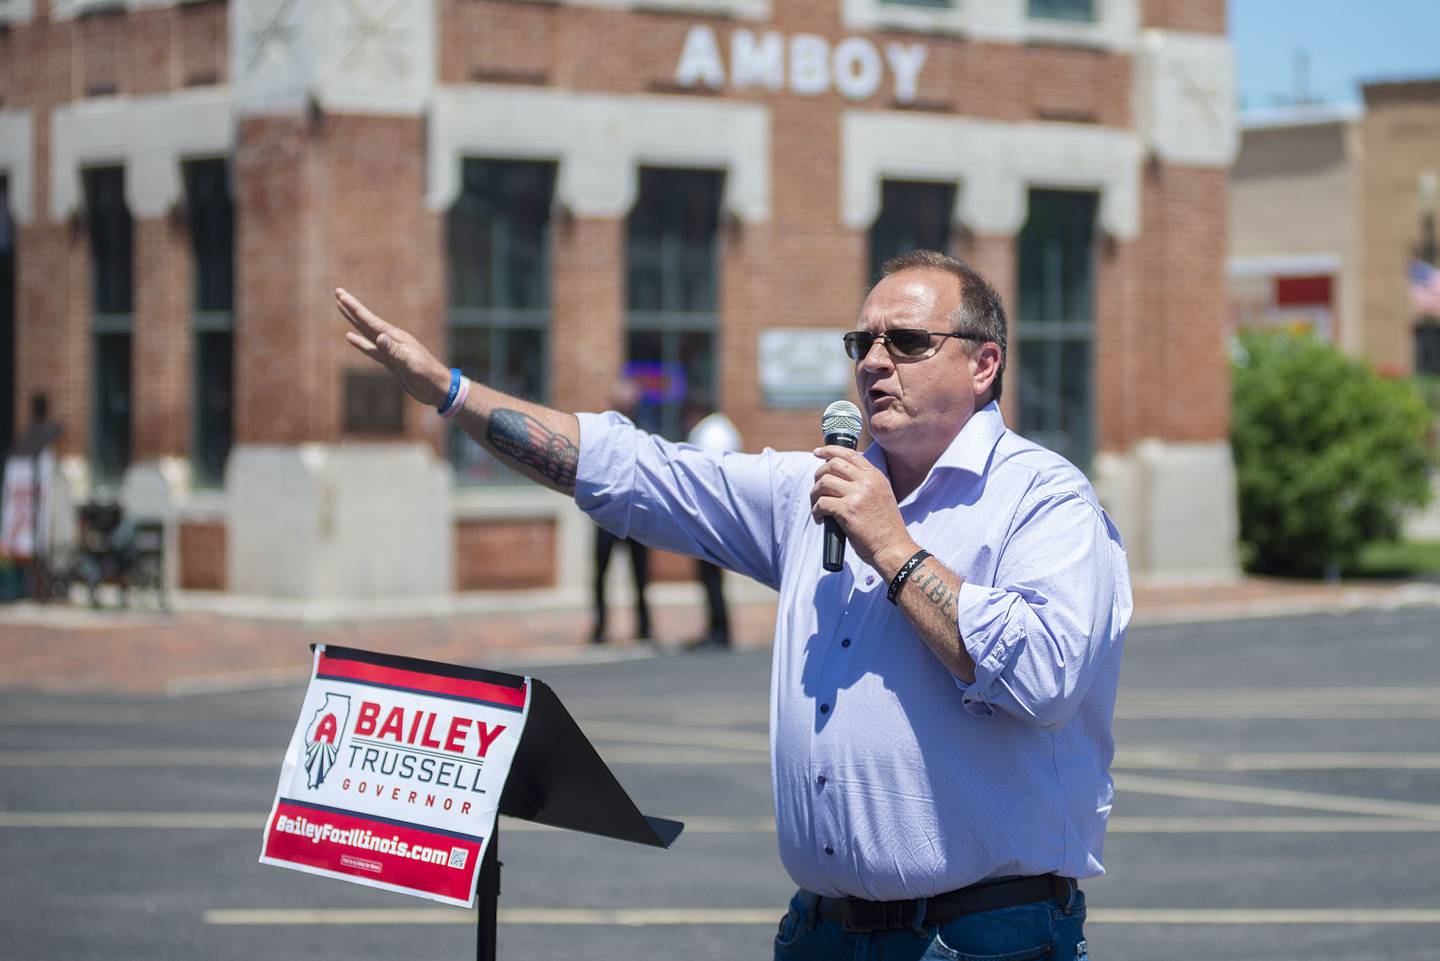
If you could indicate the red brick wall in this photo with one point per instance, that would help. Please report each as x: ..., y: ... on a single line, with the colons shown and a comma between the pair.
x: 52, y: 330
x: 45, y: 64
x: 1120, y: 333
x: 162, y: 343
x: 1180, y: 387
x: 1201, y: 16
x: 335, y: 200
x: 612, y: 51
x: 504, y: 555
x: 994, y: 256
x: 327, y: 201
x: 375, y: 237
x: 587, y: 332
x: 202, y: 556
x: 277, y: 384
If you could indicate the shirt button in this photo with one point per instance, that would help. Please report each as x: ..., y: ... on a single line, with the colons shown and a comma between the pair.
x: 829, y: 849
x: 824, y: 708
x: 845, y: 643
x: 820, y: 780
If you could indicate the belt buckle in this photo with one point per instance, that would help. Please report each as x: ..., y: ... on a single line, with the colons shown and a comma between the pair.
x: 865, y: 917
x: 855, y: 916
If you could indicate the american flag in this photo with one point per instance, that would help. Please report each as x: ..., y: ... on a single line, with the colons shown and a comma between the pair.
x: 1425, y: 288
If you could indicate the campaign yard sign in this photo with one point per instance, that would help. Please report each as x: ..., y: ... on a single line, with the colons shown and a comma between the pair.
x: 394, y: 773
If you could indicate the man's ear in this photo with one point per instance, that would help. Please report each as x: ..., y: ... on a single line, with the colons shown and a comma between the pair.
x: 984, y: 366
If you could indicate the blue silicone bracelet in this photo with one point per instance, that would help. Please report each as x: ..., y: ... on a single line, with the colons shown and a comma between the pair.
x: 454, y: 389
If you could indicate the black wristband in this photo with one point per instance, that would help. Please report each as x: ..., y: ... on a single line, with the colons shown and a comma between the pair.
x: 904, y: 573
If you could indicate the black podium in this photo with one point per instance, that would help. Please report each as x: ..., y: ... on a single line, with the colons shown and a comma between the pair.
x: 556, y: 779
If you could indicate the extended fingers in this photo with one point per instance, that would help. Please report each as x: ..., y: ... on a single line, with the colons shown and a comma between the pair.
x: 361, y: 344
x: 363, y: 318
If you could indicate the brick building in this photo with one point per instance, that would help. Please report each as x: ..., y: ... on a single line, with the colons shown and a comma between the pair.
x: 550, y: 191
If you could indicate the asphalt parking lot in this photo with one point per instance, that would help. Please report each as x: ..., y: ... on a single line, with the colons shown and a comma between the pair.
x: 1278, y: 797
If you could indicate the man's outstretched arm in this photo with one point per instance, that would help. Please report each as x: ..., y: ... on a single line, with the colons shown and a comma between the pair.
x: 541, y: 443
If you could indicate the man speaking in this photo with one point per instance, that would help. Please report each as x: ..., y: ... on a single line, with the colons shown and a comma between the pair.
x: 941, y: 705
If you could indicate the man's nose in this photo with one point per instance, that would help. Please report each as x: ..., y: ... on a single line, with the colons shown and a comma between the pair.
x: 877, y: 357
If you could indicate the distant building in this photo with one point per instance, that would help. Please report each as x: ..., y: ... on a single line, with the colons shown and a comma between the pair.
x: 1295, y: 222
x: 1330, y: 205
x: 1402, y: 164
x: 547, y: 192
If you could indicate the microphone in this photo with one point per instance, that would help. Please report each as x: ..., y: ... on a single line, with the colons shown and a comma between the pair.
x: 841, y: 425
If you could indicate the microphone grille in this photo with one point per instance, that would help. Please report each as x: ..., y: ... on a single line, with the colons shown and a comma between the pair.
x: 841, y: 417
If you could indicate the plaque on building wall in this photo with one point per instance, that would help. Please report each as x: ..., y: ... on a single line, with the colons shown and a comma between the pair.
x: 374, y: 403
x: 803, y: 368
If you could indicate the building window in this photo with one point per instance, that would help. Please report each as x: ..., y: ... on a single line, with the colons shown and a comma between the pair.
x: 111, y: 290
x: 913, y: 216
x: 1082, y: 10
x: 944, y: 4
x: 1056, y: 323
x: 498, y: 239
x: 672, y: 294
x: 212, y: 303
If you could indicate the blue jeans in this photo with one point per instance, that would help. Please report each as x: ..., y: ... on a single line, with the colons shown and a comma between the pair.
x: 1045, y: 929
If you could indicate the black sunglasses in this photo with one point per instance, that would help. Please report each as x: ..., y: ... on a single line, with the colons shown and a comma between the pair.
x: 912, y: 342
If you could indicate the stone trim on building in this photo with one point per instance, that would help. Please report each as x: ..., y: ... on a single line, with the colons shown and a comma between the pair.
x: 1185, y: 98
x: 16, y: 12
x: 150, y: 136
x: 743, y: 9
x: 71, y: 9
x: 995, y: 165
x: 1116, y: 25
x: 354, y: 58
x: 16, y: 150
x: 601, y: 141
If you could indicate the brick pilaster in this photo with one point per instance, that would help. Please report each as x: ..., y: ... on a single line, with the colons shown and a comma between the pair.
x: 162, y: 344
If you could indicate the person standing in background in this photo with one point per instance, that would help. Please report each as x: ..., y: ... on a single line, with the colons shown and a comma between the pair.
x: 716, y: 434
x: 625, y: 398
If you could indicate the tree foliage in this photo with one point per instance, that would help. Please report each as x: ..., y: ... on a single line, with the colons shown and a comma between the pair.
x: 1328, y: 454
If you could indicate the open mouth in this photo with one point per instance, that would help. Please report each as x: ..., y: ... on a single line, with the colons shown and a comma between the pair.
x: 876, y: 396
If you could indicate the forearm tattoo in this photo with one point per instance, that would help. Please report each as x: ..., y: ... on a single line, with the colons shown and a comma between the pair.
x: 940, y: 595
x: 526, y: 441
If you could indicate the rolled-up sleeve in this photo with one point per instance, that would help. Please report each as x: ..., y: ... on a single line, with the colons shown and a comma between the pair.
x: 718, y: 507
x: 1060, y: 600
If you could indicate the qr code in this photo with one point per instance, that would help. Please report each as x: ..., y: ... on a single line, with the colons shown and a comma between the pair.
x: 458, y: 857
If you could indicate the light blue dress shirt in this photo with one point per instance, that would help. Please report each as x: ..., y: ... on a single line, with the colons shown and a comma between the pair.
x: 893, y: 778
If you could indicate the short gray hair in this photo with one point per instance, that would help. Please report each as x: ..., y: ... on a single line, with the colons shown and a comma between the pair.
x: 980, y: 316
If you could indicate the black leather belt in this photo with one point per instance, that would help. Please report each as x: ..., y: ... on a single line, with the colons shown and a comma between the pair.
x: 857, y: 914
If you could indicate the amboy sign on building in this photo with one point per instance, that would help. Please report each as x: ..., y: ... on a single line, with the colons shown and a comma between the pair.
x: 804, y: 63
x: 394, y: 773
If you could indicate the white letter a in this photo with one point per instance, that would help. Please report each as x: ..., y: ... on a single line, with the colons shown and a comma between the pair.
x: 700, y: 60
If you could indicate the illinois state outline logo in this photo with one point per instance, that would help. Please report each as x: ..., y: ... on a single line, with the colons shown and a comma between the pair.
x: 323, y: 736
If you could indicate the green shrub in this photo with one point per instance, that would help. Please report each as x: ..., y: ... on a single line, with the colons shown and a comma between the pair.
x: 1328, y: 454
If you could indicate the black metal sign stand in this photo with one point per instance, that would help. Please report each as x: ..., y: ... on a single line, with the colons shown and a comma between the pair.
x: 558, y: 779
x: 487, y: 898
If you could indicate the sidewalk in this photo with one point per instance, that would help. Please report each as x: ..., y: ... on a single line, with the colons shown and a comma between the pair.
x: 218, y: 642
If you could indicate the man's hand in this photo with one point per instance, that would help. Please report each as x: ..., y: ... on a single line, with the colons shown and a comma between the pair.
x: 423, y: 377
x: 850, y: 489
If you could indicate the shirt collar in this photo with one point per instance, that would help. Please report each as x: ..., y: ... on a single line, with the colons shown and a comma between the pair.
x: 969, y: 451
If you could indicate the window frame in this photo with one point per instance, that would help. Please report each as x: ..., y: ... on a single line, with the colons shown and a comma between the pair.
x: 495, y: 321
x: 671, y: 320
x: 946, y: 193
x: 109, y: 326
x: 205, y: 325
x: 1058, y: 329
